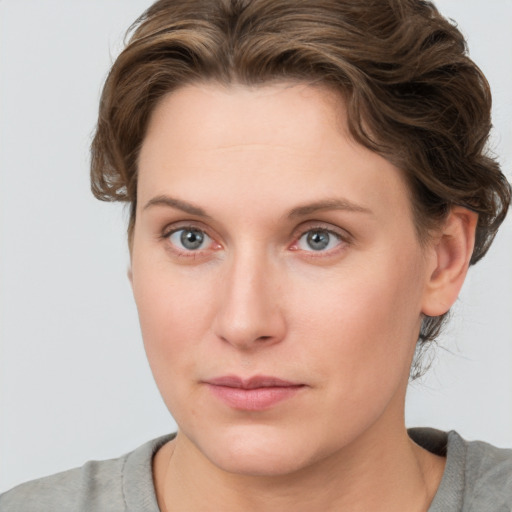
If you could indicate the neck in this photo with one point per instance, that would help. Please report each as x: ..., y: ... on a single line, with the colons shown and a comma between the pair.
x: 368, y: 475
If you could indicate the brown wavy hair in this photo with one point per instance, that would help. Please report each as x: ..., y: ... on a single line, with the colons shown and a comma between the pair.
x: 412, y: 93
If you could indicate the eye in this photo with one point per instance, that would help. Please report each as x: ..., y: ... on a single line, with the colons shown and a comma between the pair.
x: 189, y: 239
x: 318, y: 240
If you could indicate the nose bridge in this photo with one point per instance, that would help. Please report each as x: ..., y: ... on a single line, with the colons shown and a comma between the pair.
x: 249, y: 313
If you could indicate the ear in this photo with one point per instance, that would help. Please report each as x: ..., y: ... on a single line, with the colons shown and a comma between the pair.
x: 451, y: 252
x: 129, y: 273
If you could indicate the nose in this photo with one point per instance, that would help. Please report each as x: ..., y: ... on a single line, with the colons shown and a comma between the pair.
x: 249, y: 313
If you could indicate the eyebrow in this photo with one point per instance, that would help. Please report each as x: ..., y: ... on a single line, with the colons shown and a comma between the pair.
x: 178, y: 204
x: 298, y: 211
x: 328, y: 204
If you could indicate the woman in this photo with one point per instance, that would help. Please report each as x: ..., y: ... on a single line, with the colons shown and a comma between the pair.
x: 308, y: 185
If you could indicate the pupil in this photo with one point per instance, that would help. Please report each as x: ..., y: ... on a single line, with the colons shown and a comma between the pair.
x: 192, y: 239
x: 318, y: 240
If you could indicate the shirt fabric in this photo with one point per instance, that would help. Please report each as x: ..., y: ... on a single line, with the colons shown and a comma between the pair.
x: 477, y: 478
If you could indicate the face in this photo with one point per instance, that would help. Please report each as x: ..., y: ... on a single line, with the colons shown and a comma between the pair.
x: 277, y: 274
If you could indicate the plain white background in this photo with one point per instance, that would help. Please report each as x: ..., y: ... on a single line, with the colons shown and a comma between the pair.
x: 74, y: 382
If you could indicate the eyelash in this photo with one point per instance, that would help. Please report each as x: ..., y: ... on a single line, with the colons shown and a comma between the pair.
x: 343, y: 241
x: 168, y: 232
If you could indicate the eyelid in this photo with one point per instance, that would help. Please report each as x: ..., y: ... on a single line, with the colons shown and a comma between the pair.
x: 174, y: 227
x: 182, y: 224
x: 205, y: 236
x: 321, y: 226
x: 343, y: 235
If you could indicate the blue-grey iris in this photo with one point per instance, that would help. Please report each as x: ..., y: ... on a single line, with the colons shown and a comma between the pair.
x: 192, y: 239
x: 318, y: 240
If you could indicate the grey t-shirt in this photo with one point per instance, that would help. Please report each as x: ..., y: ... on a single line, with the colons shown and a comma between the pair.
x: 477, y: 478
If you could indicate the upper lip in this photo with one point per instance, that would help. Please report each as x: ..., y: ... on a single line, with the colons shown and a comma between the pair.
x: 258, y: 381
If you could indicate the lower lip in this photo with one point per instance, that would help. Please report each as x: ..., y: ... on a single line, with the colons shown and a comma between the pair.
x: 257, y: 399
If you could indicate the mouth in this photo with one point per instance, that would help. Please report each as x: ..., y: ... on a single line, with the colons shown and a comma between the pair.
x: 257, y: 393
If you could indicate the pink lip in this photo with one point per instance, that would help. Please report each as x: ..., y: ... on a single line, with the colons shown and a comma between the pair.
x: 255, y: 394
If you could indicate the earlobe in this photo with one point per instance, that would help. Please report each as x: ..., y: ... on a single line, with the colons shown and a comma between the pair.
x: 451, y: 254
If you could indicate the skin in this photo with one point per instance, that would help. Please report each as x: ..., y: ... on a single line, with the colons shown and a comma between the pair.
x: 257, y: 170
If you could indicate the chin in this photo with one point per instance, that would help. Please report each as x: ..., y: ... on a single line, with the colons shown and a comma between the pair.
x: 256, y: 450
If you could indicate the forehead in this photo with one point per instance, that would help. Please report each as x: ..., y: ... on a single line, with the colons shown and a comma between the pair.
x: 218, y: 116
x: 276, y: 141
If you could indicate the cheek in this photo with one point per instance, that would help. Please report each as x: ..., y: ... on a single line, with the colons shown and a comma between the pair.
x: 175, y: 315
x: 362, y: 323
